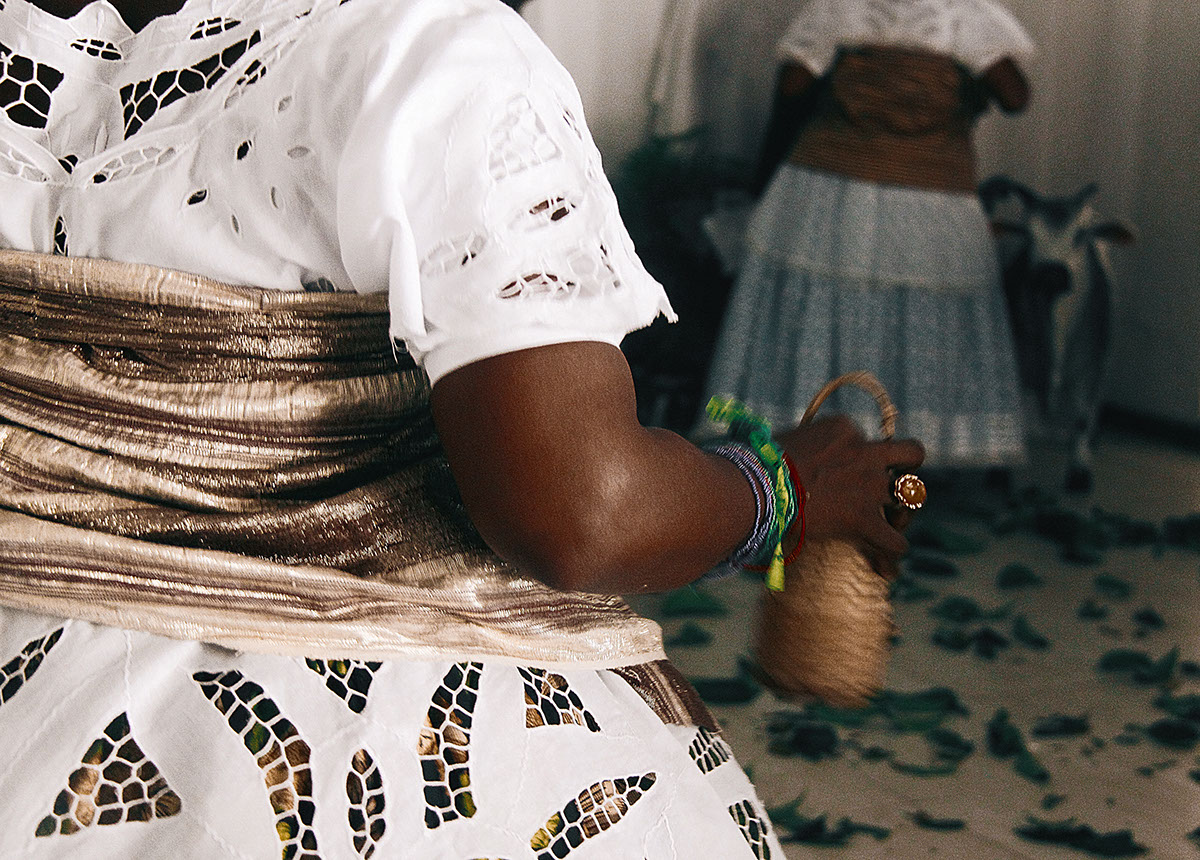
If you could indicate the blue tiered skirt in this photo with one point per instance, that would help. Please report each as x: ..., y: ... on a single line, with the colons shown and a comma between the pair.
x: 839, y: 275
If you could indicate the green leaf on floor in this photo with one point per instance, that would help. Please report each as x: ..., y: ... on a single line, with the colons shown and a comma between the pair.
x: 1081, y: 837
x: 1053, y: 801
x: 848, y: 718
x: 786, y: 814
x: 1186, y: 707
x: 1183, y: 532
x: 1090, y: 610
x: 963, y: 610
x: 906, y: 589
x: 928, y: 822
x: 952, y: 638
x: 1112, y: 587
x: 692, y: 601
x: 736, y: 690
x: 1024, y: 633
x: 1194, y: 836
x: 1017, y: 575
x: 1061, y: 726
x: 943, y: 768
x: 1174, y: 733
x: 924, y: 563
x: 1003, y: 738
x: 1148, y: 619
x: 690, y: 635
x: 1139, y: 666
x: 816, y: 831
x: 989, y: 643
x: 947, y: 747
x: 1028, y: 765
x: 1195, y: 775
x: 920, y: 711
x: 792, y: 734
x: 935, y: 536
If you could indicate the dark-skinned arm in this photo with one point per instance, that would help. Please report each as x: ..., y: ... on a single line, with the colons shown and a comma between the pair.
x: 1007, y: 85
x: 561, y: 480
x: 791, y: 106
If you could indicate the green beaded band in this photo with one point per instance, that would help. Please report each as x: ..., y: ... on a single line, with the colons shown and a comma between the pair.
x: 754, y: 432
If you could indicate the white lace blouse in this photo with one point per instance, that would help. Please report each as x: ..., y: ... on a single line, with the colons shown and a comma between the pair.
x: 432, y: 148
x: 977, y: 33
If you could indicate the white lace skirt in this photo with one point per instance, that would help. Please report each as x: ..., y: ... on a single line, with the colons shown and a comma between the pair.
x: 841, y: 275
x: 127, y: 745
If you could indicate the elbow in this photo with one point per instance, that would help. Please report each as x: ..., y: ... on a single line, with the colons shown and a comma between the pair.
x: 586, y: 544
x: 580, y: 558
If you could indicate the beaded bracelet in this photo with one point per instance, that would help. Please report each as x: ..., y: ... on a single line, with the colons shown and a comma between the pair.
x: 759, y: 478
x: 754, y: 433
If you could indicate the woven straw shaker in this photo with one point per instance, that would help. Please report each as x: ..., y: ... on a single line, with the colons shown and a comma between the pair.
x: 828, y: 633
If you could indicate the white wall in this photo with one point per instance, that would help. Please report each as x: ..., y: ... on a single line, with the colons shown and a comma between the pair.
x: 1116, y: 100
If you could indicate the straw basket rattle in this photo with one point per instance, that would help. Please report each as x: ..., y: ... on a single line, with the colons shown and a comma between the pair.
x: 828, y: 633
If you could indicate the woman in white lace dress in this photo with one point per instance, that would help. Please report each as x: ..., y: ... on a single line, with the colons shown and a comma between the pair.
x: 869, y: 250
x: 434, y: 151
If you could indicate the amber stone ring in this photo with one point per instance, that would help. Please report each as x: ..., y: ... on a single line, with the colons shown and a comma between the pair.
x: 909, y: 491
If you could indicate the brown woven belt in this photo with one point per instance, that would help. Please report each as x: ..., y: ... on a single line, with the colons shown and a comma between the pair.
x: 896, y: 117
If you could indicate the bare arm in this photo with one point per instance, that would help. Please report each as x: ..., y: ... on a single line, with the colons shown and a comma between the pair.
x: 560, y: 478
x: 1007, y: 85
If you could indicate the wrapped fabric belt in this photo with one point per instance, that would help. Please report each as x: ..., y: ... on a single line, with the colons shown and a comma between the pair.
x: 254, y: 469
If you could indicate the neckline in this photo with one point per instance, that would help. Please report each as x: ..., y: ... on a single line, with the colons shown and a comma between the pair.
x: 100, y: 19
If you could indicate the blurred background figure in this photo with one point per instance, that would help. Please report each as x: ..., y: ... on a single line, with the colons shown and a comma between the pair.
x: 868, y: 248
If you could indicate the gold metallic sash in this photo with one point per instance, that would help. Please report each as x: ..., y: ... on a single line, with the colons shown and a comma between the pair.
x: 251, y: 468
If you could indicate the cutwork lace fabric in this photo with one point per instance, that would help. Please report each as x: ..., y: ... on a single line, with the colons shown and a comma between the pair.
x: 299, y: 145
x: 977, y: 33
x: 124, y: 744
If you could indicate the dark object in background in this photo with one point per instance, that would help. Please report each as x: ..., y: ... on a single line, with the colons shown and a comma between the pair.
x: 1058, y: 284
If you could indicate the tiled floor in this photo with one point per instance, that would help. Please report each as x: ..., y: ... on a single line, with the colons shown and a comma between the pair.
x: 1113, y: 777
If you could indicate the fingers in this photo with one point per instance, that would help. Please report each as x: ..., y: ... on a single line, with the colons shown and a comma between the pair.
x: 904, y: 454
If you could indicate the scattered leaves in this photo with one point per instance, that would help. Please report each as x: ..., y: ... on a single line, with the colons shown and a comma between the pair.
x: 791, y: 734
x: 963, y: 610
x: 735, y: 690
x: 1185, y: 707
x: 1090, y: 610
x: 934, y: 536
x: 1024, y: 633
x: 690, y: 635
x: 1174, y: 733
x: 692, y: 601
x: 1061, y: 726
x: 1148, y: 619
x: 1073, y: 835
x: 1112, y: 587
x: 1139, y: 666
x: 906, y: 589
x: 1017, y: 575
x: 926, y: 563
x: 816, y: 831
x: 925, y: 820
x: 1005, y: 741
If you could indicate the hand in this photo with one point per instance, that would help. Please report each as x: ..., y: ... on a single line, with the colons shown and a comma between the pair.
x: 849, y: 482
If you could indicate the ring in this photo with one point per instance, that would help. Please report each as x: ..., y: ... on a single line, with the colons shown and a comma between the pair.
x: 909, y: 492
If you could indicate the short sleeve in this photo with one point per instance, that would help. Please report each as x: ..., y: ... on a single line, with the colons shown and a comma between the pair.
x: 814, y: 36
x: 470, y: 184
x: 989, y: 33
